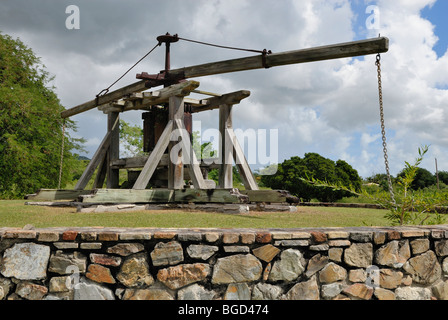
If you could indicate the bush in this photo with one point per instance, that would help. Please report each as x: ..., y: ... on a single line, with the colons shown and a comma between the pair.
x: 300, y: 177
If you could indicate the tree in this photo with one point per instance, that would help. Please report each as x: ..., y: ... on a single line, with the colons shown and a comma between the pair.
x: 131, y: 138
x: 443, y: 177
x: 422, y: 179
x: 297, y: 175
x: 30, y: 124
x: 382, y: 180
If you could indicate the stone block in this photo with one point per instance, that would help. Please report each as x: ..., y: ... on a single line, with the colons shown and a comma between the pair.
x: 331, y: 235
x: 126, y: 249
x: 332, y: 272
x: 202, y: 252
x: 183, y: 275
x: 135, y: 272
x: 212, y: 237
x: 263, y: 237
x: 441, y: 248
x: 289, y: 267
x: 230, y: 237
x: 420, y: 245
x: 25, y: 261
x: 359, y: 291
x: 31, y: 291
x: 359, y: 255
x: 308, y: 290
x: 247, y: 238
x: 67, y: 263
x: 90, y: 291
x: 266, y: 253
x: 147, y: 294
x: 196, y: 292
x: 237, y: 268
x: 170, y: 253
x: 108, y: 236
x: 69, y: 235
x: 48, y: 236
x: 100, y: 274
x: 238, y: 291
x: 266, y: 291
x: 424, y: 269
x: 105, y: 260
x: 393, y: 254
x: 129, y: 236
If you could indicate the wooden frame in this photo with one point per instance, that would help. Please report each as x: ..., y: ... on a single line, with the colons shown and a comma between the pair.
x: 180, y: 153
x: 107, y: 161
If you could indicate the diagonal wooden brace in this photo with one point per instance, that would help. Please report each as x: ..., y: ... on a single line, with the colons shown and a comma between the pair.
x: 154, y: 159
x: 98, y: 158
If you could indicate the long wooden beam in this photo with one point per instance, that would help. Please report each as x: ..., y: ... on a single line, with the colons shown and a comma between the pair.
x: 336, y: 51
x: 107, y: 98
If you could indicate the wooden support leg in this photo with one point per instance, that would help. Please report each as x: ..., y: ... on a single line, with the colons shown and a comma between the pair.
x: 101, y: 174
x: 114, y: 151
x: 190, y: 158
x: 226, y: 148
x: 98, y: 157
x: 175, y: 165
x: 241, y: 163
x: 154, y: 159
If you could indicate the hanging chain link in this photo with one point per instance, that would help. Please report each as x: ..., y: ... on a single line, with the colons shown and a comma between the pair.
x: 383, y: 128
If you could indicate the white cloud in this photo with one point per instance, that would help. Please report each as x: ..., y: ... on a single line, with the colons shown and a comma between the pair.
x: 327, y: 107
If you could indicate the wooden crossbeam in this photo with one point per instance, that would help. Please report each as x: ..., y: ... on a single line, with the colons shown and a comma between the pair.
x: 107, y: 98
x: 342, y: 50
x: 144, y: 100
x: 158, y: 97
x: 226, y: 99
x: 139, y: 162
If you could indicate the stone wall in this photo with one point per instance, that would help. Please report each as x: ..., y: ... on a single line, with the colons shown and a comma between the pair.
x: 224, y: 264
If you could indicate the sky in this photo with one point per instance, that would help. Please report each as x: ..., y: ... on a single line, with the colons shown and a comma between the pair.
x: 328, y: 107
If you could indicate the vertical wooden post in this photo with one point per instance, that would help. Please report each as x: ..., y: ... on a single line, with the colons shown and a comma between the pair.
x: 225, y: 147
x: 175, y: 163
x: 114, y: 150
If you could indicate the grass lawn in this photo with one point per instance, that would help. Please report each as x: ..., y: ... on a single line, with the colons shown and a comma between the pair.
x: 14, y: 213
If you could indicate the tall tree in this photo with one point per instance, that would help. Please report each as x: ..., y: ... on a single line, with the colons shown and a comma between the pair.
x: 30, y: 124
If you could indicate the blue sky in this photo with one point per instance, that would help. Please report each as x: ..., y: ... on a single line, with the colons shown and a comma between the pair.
x: 327, y: 107
x: 437, y: 14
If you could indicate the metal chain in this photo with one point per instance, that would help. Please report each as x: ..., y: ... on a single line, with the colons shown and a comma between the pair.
x: 383, y: 128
